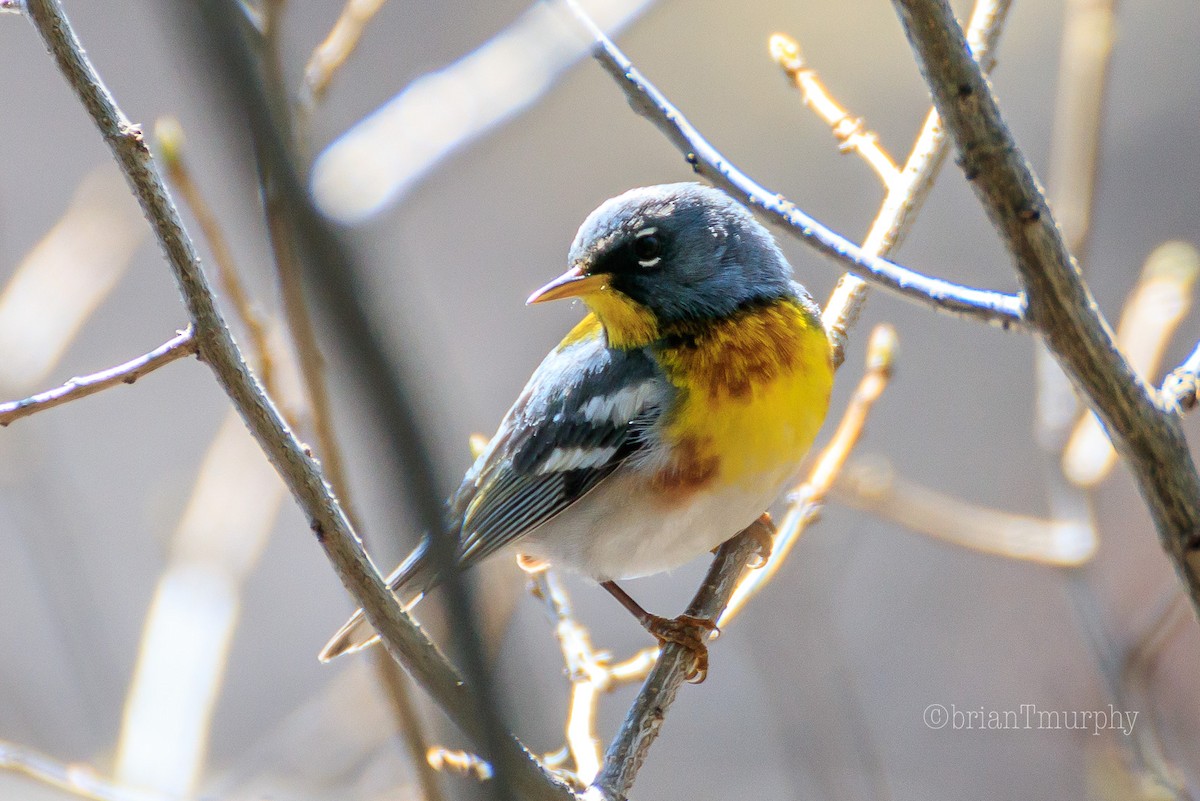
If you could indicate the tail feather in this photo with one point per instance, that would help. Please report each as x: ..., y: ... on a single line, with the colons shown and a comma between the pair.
x: 413, y: 578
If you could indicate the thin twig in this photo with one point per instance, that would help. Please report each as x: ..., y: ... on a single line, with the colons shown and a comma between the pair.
x: 642, y: 724
x: 329, y: 56
x: 404, y: 640
x: 168, y: 135
x: 461, y: 762
x: 181, y: 345
x: 1155, y: 308
x: 907, y: 194
x: 1060, y: 306
x: 850, y: 131
x: 998, y: 308
x: 590, y: 673
x: 808, y: 499
x: 874, y: 486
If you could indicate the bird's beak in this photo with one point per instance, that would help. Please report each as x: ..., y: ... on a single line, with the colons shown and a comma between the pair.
x: 571, y: 284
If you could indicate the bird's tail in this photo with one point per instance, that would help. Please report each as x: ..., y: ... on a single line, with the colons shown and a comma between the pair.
x: 413, y: 578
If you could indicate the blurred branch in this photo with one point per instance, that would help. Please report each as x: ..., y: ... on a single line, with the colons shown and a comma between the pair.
x: 1156, y: 307
x: 1088, y: 31
x: 72, y: 777
x: 408, y: 721
x: 65, y: 277
x: 385, y: 154
x: 404, y: 640
x: 907, y: 192
x: 1006, y: 311
x: 808, y: 499
x: 329, y: 56
x: 851, y: 132
x: 168, y: 135
x: 181, y: 345
x: 182, y: 658
x: 311, y: 361
x: 873, y: 486
x: 1060, y: 306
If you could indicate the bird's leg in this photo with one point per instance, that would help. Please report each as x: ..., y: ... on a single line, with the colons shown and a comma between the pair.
x: 762, y: 531
x: 686, y: 630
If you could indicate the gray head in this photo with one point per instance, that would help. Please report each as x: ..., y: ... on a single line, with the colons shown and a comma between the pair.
x: 684, y: 252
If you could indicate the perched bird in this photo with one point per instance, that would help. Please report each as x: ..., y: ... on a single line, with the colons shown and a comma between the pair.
x: 664, y: 423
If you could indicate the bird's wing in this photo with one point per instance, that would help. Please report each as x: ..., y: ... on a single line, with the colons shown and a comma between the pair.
x: 583, y: 413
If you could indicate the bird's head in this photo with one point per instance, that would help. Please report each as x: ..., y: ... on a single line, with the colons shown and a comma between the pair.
x: 656, y: 257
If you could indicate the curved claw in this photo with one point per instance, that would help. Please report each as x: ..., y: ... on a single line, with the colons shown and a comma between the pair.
x: 690, y: 632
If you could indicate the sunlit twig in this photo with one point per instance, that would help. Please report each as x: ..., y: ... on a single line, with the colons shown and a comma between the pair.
x: 389, y: 151
x: 906, y: 193
x: 850, y: 131
x: 462, y: 762
x: 1156, y: 307
x: 168, y: 134
x: 329, y: 56
x: 590, y: 673
x: 181, y: 345
x: 808, y: 499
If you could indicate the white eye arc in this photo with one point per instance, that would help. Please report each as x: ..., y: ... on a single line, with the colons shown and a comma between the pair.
x: 646, y: 245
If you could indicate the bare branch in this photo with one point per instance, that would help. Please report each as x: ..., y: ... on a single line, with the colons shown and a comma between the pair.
x: 641, y: 727
x: 590, y: 673
x: 404, y: 640
x: 808, y: 499
x: 906, y: 196
x: 851, y: 132
x: 1060, y: 306
x: 998, y: 308
x: 181, y: 345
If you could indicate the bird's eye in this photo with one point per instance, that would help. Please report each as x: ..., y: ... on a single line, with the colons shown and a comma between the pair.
x: 647, y: 247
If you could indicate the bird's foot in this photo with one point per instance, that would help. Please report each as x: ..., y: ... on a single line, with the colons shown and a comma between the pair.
x: 762, y: 531
x: 689, y: 632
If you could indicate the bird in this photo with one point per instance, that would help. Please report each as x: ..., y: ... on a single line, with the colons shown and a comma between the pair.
x: 663, y: 424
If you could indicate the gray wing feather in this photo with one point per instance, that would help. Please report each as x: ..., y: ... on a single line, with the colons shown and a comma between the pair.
x: 529, y: 473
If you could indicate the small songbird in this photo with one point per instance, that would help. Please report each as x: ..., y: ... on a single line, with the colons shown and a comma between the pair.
x: 664, y: 423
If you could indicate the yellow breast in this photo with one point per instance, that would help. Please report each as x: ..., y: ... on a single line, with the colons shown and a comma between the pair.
x: 754, y: 390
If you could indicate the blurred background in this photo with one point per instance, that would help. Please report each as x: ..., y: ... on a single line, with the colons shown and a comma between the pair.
x: 151, y: 496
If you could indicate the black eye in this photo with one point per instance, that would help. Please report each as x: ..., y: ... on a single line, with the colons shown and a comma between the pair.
x: 647, y: 248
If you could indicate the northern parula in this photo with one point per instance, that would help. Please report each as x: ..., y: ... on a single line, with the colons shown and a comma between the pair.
x: 664, y: 423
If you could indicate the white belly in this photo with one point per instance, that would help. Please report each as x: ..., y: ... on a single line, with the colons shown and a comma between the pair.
x: 615, y: 532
